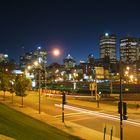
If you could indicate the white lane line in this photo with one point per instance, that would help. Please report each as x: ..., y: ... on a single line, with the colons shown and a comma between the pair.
x: 102, y: 115
x: 69, y: 114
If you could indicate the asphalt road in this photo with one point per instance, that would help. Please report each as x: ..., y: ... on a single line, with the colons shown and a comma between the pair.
x: 91, y: 119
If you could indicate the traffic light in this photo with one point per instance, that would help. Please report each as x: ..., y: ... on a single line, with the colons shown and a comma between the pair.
x: 125, y: 117
x: 119, y: 108
x: 63, y: 98
x: 123, y: 108
x: 125, y: 111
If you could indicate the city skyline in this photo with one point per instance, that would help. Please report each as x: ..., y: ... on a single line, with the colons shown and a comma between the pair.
x: 73, y: 26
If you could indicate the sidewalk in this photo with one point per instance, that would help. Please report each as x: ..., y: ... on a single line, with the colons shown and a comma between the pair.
x: 69, y: 127
x: 2, y: 137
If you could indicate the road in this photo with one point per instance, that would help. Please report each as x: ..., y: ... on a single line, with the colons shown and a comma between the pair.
x: 97, y: 121
x: 93, y: 119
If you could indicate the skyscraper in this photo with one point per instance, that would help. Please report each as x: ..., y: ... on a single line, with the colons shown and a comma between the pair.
x: 108, y: 47
x: 129, y: 49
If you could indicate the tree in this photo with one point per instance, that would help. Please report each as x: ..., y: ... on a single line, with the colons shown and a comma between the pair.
x: 4, y: 83
x: 21, y: 85
x: 7, y: 66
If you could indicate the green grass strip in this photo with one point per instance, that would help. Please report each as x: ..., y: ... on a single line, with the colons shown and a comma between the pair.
x: 22, y: 127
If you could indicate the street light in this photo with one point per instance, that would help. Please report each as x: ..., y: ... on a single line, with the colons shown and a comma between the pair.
x: 39, y: 69
x: 128, y: 68
x: 37, y: 65
x: 131, y: 78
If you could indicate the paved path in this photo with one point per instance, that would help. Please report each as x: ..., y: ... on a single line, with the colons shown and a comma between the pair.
x: 2, y: 137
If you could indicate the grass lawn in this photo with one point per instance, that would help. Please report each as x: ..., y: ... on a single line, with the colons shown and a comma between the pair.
x: 22, y: 127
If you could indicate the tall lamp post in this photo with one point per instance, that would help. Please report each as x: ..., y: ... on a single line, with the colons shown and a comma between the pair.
x: 39, y: 84
x: 39, y: 68
x: 36, y: 64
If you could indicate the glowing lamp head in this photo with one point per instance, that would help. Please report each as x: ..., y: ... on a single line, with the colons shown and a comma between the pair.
x: 29, y: 67
x: 36, y: 63
x: 131, y: 76
x: 127, y: 68
x: 56, y: 52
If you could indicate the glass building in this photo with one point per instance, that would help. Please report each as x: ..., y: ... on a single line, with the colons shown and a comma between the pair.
x: 129, y: 50
x: 108, y: 47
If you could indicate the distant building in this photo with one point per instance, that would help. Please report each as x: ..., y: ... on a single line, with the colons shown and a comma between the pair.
x: 129, y: 50
x: 108, y: 47
x: 87, y: 68
x: 69, y: 62
x: 28, y: 59
x: 36, y: 55
x: 3, y: 57
x: 91, y: 59
x: 54, y: 72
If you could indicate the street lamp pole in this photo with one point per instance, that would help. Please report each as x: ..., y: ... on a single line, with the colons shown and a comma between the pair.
x: 39, y: 68
x: 39, y: 91
x: 121, y: 119
x: 36, y: 64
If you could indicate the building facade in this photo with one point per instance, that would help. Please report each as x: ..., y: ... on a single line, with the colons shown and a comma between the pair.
x: 69, y: 62
x: 129, y: 50
x: 3, y: 57
x: 28, y: 59
x: 39, y: 55
x: 108, y: 47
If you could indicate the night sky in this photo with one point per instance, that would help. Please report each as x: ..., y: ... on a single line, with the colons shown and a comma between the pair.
x: 72, y: 25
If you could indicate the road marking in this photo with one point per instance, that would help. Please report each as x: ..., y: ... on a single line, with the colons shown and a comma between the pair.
x: 79, y: 119
x: 69, y: 114
x: 102, y: 115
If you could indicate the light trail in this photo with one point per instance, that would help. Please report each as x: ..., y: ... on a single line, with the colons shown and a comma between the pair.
x: 99, y: 114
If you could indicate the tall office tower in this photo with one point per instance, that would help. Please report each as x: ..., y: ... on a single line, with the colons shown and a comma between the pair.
x: 129, y: 48
x: 108, y: 47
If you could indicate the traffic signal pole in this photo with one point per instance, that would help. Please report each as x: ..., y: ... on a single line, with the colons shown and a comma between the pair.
x: 63, y: 103
x: 121, y: 115
x: 63, y: 113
